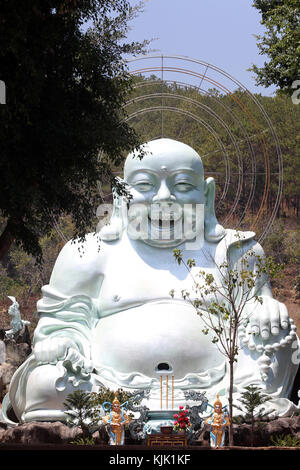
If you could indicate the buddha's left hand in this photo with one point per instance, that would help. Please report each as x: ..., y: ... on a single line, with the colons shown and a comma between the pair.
x: 267, y: 318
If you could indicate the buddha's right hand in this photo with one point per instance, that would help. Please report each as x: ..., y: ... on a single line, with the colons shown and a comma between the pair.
x: 52, y: 350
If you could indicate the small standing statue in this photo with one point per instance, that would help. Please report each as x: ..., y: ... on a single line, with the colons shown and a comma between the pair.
x: 16, y: 323
x: 115, y: 421
x: 218, y: 420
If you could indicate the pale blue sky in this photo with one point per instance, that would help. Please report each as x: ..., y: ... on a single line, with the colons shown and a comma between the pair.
x: 220, y: 32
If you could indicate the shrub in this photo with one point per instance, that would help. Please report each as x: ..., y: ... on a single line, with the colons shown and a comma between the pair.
x: 297, y: 287
x: 287, y: 440
x: 84, y: 441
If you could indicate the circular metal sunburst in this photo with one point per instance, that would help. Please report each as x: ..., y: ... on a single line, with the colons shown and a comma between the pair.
x: 203, y: 106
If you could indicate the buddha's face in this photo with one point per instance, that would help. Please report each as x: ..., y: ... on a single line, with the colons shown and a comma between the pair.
x: 167, y: 188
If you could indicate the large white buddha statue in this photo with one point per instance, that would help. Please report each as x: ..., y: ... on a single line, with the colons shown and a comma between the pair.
x: 107, y: 317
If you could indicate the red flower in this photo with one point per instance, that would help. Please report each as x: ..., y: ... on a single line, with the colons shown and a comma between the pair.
x: 182, y: 420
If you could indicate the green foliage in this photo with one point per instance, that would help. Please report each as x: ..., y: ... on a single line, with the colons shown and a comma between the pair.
x: 280, y: 42
x: 21, y: 275
x: 222, y: 303
x: 283, y: 244
x: 293, y: 246
x: 105, y: 394
x: 268, y: 266
x: 86, y: 441
x: 252, y: 399
x: 238, y: 419
x: 297, y: 287
x: 275, y: 242
x: 283, y: 440
x: 66, y: 84
x: 224, y: 315
x: 84, y: 409
x: 82, y: 412
x: 178, y: 255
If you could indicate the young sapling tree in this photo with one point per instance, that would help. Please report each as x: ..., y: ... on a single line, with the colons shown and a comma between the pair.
x: 227, y: 299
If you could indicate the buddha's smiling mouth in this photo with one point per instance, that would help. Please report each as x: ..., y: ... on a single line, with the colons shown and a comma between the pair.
x: 165, y: 216
x: 163, y: 224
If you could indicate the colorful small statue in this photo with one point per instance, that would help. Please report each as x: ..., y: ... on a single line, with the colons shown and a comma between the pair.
x: 115, y: 421
x: 218, y: 421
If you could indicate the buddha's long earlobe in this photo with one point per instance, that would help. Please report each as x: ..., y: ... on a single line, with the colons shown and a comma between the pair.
x: 118, y: 221
x: 212, y: 229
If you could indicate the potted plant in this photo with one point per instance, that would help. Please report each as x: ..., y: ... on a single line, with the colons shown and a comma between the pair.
x: 182, y: 422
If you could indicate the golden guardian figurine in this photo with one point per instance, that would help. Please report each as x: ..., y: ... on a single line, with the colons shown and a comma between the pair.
x: 115, y: 421
x: 218, y: 421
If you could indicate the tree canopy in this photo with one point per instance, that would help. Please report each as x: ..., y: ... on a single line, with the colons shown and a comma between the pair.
x: 280, y: 42
x: 62, y: 62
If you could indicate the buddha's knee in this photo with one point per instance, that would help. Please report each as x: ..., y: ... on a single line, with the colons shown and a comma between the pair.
x: 44, y: 397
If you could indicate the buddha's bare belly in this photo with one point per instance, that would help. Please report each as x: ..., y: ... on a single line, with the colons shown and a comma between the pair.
x: 138, y: 339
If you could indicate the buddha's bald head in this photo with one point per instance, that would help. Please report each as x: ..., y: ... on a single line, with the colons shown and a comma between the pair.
x: 168, y: 183
x: 167, y: 189
x: 165, y: 155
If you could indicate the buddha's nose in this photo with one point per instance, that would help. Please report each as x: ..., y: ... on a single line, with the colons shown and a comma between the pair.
x: 164, y: 193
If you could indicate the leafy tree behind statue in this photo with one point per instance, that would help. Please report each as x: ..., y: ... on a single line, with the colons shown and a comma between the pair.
x: 280, y: 42
x: 65, y: 87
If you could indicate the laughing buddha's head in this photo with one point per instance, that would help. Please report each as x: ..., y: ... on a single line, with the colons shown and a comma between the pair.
x: 170, y: 201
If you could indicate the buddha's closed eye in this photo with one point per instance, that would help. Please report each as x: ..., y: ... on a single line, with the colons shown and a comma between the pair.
x: 184, y: 186
x: 143, y: 186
